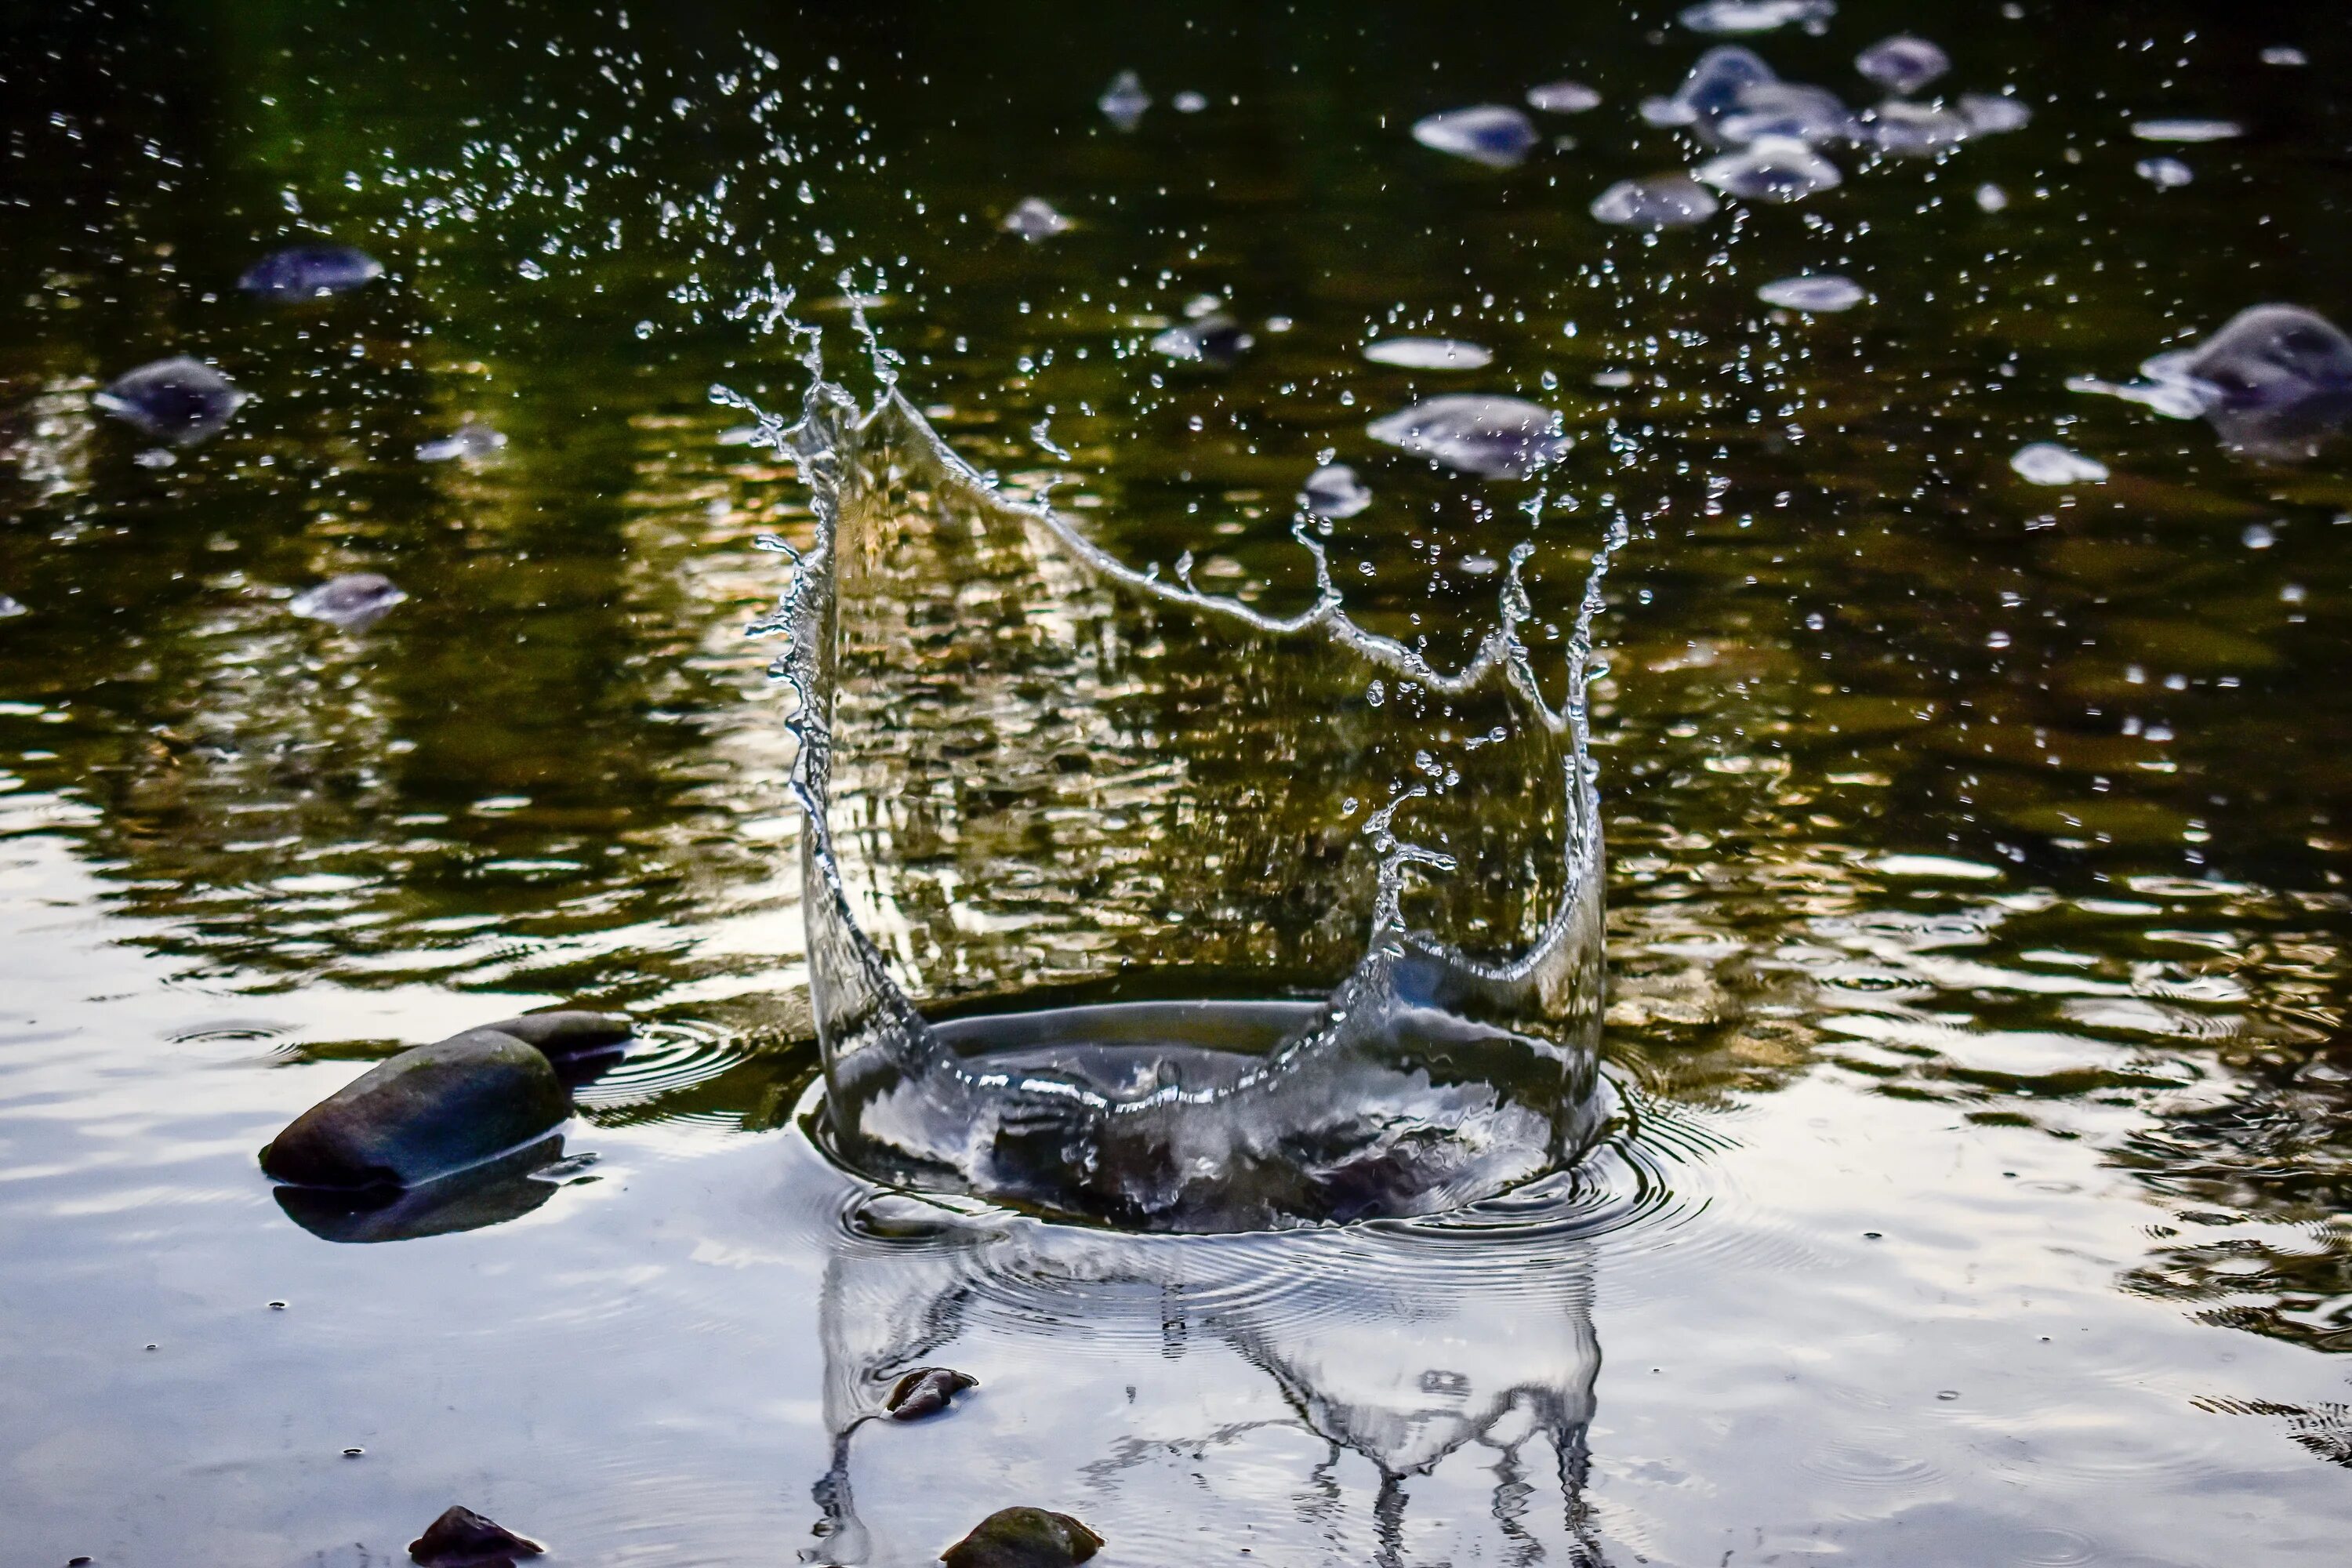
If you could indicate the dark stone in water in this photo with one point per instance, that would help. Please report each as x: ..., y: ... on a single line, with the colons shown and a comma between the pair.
x: 424, y: 1114
x: 461, y: 1538
x: 179, y: 400
x: 1490, y: 133
x: 1477, y: 433
x: 926, y: 1391
x: 565, y: 1035
x: 1023, y: 1538
x: 1903, y: 64
x: 354, y: 601
x: 493, y: 1193
x: 310, y: 272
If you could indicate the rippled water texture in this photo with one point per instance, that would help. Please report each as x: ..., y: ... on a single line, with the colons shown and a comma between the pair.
x: 1974, y: 1185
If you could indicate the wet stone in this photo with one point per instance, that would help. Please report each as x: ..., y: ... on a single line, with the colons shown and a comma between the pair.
x: 1903, y: 64
x: 1989, y: 114
x: 310, y: 272
x: 1758, y: 16
x: 926, y: 1391
x: 353, y: 601
x: 2186, y: 130
x: 1562, y: 97
x: 461, y: 1538
x: 1477, y: 433
x: 471, y: 441
x: 2164, y: 174
x: 1664, y: 201
x: 566, y: 1034
x: 1334, y: 492
x: 424, y: 1114
x: 1023, y: 1538
x: 1428, y: 354
x: 1034, y: 219
x: 1772, y: 169
x: 179, y: 400
x: 1823, y: 293
x: 2047, y: 463
x: 1489, y: 133
x: 1124, y: 101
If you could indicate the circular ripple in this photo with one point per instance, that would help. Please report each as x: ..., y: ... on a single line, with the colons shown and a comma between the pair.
x: 662, y: 1059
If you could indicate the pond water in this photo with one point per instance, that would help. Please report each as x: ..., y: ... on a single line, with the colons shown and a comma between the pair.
x: 1970, y: 1175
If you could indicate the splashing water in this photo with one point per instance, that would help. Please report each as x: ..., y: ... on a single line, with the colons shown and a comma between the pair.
x: 1025, y: 766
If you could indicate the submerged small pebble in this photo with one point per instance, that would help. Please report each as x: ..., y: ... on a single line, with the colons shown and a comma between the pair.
x: 1023, y: 1538
x: 1034, y: 218
x: 2186, y: 130
x: 1428, y: 354
x: 1477, y: 433
x: 2048, y: 463
x: 1824, y: 292
x: 461, y: 1538
x: 2164, y: 174
x: 1489, y: 133
x: 926, y: 1391
x: 1757, y: 15
x: 310, y: 272
x: 1562, y: 97
x: 179, y: 400
x: 353, y: 601
x: 1124, y: 101
x: 1770, y: 169
x: 1334, y: 492
x: 470, y: 440
x: 1903, y: 64
x: 1664, y: 201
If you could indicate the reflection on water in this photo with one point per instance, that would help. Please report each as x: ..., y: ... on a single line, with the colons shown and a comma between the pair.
x: 1977, y: 916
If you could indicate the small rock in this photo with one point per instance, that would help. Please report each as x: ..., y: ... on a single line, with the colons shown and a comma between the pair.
x: 1123, y: 101
x: 471, y: 440
x: 354, y: 601
x: 179, y: 400
x: 1334, y: 492
x: 1032, y: 219
x: 564, y: 1035
x: 1488, y: 133
x: 926, y: 1391
x: 1562, y: 97
x: 424, y: 1113
x: 1903, y: 64
x: 1023, y: 1538
x: 1477, y: 433
x: 461, y: 1538
x: 310, y: 272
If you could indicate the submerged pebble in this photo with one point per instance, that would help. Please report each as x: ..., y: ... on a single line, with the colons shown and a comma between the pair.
x: 1903, y: 64
x: 469, y: 440
x: 1477, y: 433
x: 310, y: 272
x: 1488, y: 133
x: 1757, y: 15
x: 461, y: 1538
x: 1428, y: 354
x: 1023, y: 1538
x: 1990, y: 114
x: 1664, y: 201
x: 353, y: 601
x: 1825, y: 292
x: 1034, y: 218
x: 2186, y: 130
x: 179, y: 400
x: 2164, y: 174
x: 926, y: 1391
x: 1770, y: 169
x: 424, y: 1113
x: 1334, y: 492
x: 2048, y: 463
x: 1562, y: 97
x: 1123, y: 102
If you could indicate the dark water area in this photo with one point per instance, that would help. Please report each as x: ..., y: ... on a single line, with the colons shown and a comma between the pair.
x: 1976, y: 1179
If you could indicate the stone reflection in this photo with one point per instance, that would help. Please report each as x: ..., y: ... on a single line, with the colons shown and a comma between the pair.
x: 1410, y: 1394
